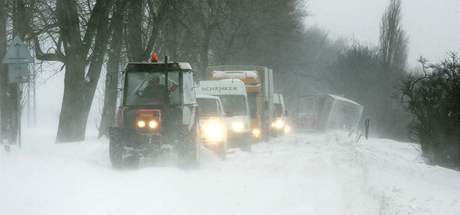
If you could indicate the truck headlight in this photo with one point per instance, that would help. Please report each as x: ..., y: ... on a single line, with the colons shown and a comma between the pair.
x: 278, y: 124
x: 287, y: 129
x: 238, y: 127
x: 213, y: 131
x: 256, y: 133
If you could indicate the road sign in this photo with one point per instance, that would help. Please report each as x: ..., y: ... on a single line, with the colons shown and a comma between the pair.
x: 17, y: 53
x: 18, y: 57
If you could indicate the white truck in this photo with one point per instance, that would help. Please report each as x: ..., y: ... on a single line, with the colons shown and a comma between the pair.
x: 280, y: 123
x: 232, y: 94
x: 213, y: 128
x: 259, y: 87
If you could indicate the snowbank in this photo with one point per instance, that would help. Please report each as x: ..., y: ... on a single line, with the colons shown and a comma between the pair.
x: 405, y: 184
x: 296, y: 174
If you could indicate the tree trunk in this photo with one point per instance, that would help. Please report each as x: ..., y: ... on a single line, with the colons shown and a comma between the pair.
x: 3, y: 70
x: 73, y: 117
x: 134, y: 31
x: 79, y: 88
x: 10, y: 94
x: 204, y: 54
x: 171, y: 38
x: 113, y: 70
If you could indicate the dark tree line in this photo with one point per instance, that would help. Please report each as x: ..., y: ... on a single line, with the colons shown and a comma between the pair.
x: 433, y: 98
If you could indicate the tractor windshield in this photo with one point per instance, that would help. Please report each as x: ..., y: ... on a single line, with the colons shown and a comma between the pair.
x: 148, y: 88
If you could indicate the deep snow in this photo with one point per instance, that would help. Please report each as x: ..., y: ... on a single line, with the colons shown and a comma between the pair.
x: 296, y: 174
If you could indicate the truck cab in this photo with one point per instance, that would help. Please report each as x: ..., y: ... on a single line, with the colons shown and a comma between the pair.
x: 213, y: 129
x: 279, y: 123
x: 232, y: 94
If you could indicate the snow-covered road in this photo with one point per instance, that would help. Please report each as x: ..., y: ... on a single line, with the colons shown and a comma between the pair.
x: 296, y: 174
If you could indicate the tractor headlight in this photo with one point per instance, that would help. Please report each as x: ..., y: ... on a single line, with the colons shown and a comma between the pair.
x: 213, y: 131
x: 153, y: 124
x: 238, y: 127
x: 141, y: 124
x: 278, y: 124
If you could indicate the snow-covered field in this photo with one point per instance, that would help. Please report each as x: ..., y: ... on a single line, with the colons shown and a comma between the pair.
x: 296, y: 174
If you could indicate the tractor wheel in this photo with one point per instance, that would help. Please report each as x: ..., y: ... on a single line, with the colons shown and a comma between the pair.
x: 118, y: 154
x: 188, y: 148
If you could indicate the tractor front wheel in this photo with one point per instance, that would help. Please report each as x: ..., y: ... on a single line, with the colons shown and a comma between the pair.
x: 119, y: 157
x: 188, y: 148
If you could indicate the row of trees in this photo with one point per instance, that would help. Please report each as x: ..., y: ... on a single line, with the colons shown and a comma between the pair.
x: 85, y: 35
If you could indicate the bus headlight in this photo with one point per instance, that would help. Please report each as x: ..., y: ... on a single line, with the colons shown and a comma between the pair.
x: 238, y: 127
x: 213, y: 131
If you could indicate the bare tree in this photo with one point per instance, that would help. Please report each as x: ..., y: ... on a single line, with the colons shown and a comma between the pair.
x: 113, y: 67
x: 80, y: 43
x: 139, y: 33
x: 393, y: 53
x: 393, y: 40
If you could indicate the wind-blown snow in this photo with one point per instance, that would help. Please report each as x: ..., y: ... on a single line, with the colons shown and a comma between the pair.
x: 296, y: 174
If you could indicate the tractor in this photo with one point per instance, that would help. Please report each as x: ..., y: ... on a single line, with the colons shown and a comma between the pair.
x: 157, y: 113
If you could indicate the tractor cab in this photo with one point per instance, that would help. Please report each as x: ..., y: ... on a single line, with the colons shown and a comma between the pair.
x: 157, y: 108
x: 157, y: 84
x: 164, y: 90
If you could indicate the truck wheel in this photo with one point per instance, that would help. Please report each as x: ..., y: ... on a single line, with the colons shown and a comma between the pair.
x: 118, y: 154
x: 246, y: 146
x: 222, y: 151
x: 246, y: 143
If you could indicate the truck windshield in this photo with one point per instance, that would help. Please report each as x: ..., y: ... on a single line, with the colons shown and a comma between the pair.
x: 208, y: 107
x: 234, y: 105
x: 148, y: 88
x: 278, y: 111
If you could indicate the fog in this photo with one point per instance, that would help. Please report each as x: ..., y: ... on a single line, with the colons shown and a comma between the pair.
x: 433, y: 26
x: 303, y: 111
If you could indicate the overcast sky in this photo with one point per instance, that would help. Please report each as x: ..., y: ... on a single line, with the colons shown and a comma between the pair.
x: 433, y: 26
